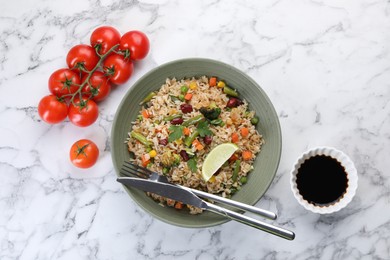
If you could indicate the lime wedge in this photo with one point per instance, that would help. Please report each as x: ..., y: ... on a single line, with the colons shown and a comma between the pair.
x: 216, y: 158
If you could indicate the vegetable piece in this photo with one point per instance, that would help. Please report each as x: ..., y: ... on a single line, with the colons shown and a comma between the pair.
x: 210, y: 113
x: 141, y: 138
x: 188, y: 96
x: 181, y: 97
x: 244, y: 132
x: 193, y: 85
x: 230, y: 92
x: 184, y: 89
x: 145, y: 158
x: 174, y: 98
x: 170, y: 118
x: 235, y: 138
x: 255, y: 120
x: 176, y: 132
x: 247, y: 155
x: 198, y: 146
x: 217, y: 121
x: 163, y: 142
x: 178, y: 205
x: 236, y: 170
x: 189, y: 139
x: 191, y: 163
x: 194, y: 120
x: 233, y: 102
x: 84, y: 153
x: 233, y: 158
x: 221, y: 84
x: 207, y: 139
x: 148, y: 98
x: 186, y: 108
x: 203, y: 128
x: 213, y: 82
x: 186, y: 131
x: 145, y: 113
x: 243, y: 180
x: 153, y: 153
x: 184, y: 155
x: 177, y: 121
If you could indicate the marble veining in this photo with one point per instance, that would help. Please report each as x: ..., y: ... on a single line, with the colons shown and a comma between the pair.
x: 324, y: 64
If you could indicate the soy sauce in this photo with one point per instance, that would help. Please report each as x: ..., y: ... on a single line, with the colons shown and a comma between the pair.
x: 322, y: 180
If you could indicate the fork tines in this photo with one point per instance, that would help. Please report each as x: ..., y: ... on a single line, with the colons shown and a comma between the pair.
x: 132, y: 169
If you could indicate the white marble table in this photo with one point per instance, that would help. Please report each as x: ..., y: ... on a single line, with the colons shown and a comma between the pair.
x: 324, y: 64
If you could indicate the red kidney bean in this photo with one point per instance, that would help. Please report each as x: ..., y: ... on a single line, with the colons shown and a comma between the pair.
x: 177, y: 121
x: 234, y: 102
x: 186, y: 108
x: 163, y: 141
x: 184, y: 155
x: 207, y: 139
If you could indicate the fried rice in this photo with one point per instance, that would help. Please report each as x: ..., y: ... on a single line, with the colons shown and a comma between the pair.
x: 168, y: 151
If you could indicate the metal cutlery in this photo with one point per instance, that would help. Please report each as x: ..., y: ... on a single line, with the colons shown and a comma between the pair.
x: 187, y: 197
x: 130, y: 169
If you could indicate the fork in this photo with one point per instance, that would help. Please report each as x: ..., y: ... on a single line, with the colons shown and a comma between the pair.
x: 130, y: 169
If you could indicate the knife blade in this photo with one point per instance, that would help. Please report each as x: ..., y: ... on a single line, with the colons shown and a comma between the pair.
x: 187, y: 197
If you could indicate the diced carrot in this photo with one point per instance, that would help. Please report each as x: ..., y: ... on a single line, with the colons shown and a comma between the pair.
x: 178, y: 205
x: 198, y: 146
x: 186, y: 131
x: 244, y: 132
x: 233, y: 158
x: 235, y: 138
x: 188, y: 96
x: 213, y: 82
x: 145, y: 158
x: 145, y: 113
x: 246, y: 155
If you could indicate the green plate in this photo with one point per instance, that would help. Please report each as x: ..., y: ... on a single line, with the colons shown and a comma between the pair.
x: 265, y: 165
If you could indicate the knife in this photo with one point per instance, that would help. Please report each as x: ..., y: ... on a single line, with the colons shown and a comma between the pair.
x: 187, y: 197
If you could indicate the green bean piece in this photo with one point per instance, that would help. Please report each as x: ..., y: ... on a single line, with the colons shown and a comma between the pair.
x: 216, y: 121
x: 141, y: 138
x: 236, y: 170
x: 230, y: 92
x: 189, y: 139
x: 170, y: 118
x: 184, y: 89
x: 174, y: 98
x: 148, y: 97
x: 165, y: 170
x: 193, y: 121
x: 243, y: 180
x: 254, y: 120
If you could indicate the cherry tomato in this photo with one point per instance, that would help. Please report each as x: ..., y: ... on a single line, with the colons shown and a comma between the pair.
x: 52, y: 109
x: 82, y: 57
x: 98, y: 86
x: 104, y: 38
x: 83, y: 112
x: 84, y: 153
x: 63, y: 81
x: 135, y: 44
x: 117, y: 68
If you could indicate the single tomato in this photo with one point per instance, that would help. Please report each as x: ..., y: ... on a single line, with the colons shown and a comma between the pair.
x: 98, y: 86
x: 63, y: 81
x: 52, y: 109
x: 82, y: 58
x: 84, y: 153
x: 135, y: 44
x: 83, y: 112
x: 104, y: 38
x: 117, y: 68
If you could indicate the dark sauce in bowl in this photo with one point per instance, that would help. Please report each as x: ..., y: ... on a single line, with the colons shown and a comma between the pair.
x: 322, y: 180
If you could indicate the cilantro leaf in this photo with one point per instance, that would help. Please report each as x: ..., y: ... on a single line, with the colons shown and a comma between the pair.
x: 192, y: 164
x: 176, y: 132
x: 203, y: 129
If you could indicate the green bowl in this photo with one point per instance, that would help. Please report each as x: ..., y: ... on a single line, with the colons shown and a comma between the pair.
x: 267, y: 160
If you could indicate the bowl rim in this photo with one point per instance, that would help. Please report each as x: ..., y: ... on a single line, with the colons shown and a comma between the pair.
x: 350, y: 169
x: 218, y: 63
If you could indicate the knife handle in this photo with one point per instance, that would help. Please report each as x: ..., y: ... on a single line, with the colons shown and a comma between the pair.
x: 274, y: 230
x: 235, y: 204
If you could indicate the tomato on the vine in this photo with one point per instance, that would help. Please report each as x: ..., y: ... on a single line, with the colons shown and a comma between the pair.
x: 82, y: 58
x: 117, y: 68
x: 98, y: 86
x: 83, y: 112
x: 63, y: 82
x: 52, y: 109
x: 135, y: 44
x: 104, y: 38
x: 84, y: 153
